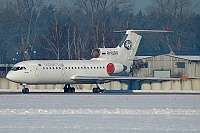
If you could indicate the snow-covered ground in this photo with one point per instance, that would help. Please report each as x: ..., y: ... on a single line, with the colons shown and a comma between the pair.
x: 39, y: 113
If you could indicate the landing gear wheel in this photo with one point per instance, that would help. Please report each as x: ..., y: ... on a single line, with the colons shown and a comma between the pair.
x: 72, y: 90
x: 25, y: 90
x: 97, y: 90
x: 68, y: 89
x: 94, y: 90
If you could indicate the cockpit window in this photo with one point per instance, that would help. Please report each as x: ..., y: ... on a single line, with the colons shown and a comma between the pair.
x: 18, y: 68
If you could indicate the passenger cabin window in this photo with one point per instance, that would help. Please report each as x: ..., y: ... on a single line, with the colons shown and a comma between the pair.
x: 85, y: 67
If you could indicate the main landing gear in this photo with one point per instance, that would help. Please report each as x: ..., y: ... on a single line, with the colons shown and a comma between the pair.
x: 98, y: 89
x: 68, y: 89
x: 25, y: 90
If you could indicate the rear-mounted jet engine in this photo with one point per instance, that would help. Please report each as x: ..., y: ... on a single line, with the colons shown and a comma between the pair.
x: 95, y: 53
x: 115, y: 68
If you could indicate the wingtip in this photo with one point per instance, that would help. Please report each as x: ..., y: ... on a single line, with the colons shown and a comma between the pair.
x: 168, y: 30
x: 143, y: 31
x: 185, y: 79
x: 121, y: 31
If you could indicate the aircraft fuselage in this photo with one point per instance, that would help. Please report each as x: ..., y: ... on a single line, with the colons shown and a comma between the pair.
x: 60, y: 71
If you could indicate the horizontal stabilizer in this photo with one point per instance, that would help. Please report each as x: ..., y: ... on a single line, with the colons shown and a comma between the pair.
x: 145, y: 31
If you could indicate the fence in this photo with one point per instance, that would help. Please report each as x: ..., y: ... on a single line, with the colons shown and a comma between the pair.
x: 189, y: 85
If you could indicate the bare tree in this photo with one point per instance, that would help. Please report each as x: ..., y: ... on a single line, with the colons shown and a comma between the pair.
x: 56, y: 39
x: 28, y: 12
x: 166, y: 13
x: 98, y: 14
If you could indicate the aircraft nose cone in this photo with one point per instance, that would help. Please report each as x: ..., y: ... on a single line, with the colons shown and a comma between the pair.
x: 10, y: 76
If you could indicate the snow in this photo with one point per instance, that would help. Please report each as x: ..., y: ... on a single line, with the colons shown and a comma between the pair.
x: 99, y: 113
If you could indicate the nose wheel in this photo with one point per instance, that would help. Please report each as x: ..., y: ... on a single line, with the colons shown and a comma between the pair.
x: 25, y: 90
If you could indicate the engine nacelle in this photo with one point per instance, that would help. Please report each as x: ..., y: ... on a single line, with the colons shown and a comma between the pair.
x: 105, y: 54
x: 115, y: 68
x: 96, y: 53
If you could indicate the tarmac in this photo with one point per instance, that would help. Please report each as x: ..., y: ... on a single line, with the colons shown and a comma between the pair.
x: 83, y: 92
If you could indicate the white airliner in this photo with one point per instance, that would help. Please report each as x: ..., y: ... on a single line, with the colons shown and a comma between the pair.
x: 107, y: 64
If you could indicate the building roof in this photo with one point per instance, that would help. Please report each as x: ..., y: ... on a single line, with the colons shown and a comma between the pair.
x: 191, y: 53
x: 190, y: 58
x: 141, y: 57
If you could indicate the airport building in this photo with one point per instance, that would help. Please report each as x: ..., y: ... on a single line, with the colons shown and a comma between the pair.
x: 167, y: 66
x: 160, y: 66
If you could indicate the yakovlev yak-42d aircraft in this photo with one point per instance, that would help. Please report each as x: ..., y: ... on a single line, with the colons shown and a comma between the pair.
x: 107, y: 64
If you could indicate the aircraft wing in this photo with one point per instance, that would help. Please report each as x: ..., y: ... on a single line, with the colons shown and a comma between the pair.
x: 115, y: 78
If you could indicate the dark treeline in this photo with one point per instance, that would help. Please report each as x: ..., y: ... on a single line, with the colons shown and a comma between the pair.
x: 29, y: 29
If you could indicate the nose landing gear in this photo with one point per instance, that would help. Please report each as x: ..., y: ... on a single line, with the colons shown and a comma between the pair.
x: 25, y: 90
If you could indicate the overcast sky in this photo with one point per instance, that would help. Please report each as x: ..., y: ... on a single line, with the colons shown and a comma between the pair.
x: 140, y: 4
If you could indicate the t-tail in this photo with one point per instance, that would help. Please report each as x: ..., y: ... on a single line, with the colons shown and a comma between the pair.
x: 126, y: 49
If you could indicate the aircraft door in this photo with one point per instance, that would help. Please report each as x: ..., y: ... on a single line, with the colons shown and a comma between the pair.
x: 36, y: 71
x: 63, y: 71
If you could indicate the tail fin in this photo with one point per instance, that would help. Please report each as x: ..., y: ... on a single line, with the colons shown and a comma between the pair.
x: 126, y: 49
x: 128, y: 45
